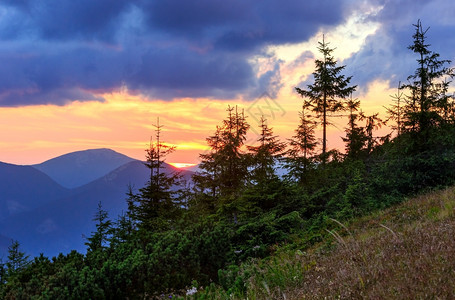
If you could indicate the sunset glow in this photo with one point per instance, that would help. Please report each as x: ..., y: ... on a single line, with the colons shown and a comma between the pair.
x: 182, y: 165
x: 107, y: 91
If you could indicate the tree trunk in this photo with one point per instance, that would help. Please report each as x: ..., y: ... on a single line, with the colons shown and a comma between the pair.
x: 324, y: 131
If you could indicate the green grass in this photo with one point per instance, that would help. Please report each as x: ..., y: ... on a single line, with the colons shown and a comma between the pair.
x: 404, y: 252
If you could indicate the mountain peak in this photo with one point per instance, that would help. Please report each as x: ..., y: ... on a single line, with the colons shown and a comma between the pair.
x: 77, y: 168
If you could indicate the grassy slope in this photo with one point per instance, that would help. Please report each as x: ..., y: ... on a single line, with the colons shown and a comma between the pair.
x: 407, y: 252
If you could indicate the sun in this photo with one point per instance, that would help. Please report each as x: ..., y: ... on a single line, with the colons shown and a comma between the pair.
x: 181, y: 165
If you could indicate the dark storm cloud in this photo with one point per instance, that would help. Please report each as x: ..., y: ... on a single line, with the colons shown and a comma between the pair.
x: 81, y: 19
x: 42, y: 74
x: 59, y: 51
x: 385, y: 54
x: 190, y: 74
x: 244, y: 24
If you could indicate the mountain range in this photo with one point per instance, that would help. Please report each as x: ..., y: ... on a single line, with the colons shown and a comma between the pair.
x: 49, y: 207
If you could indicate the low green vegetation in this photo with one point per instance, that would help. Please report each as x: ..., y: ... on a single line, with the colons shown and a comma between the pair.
x: 240, y: 230
x: 404, y: 252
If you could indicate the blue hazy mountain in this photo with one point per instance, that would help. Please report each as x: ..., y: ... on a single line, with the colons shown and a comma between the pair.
x: 59, y: 225
x: 194, y: 168
x: 23, y: 188
x: 78, y: 168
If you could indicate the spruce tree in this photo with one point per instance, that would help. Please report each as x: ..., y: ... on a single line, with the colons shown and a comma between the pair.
x: 234, y: 166
x: 98, y: 240
x: 395, y: 112
x: 428, y: 86
x: 265, y: 155
x: 156, y: 204
x: 208, y: 178
x: 264, y: 185
x: 372, y: 123
x: 355, y: 136
x: 328, y: 91
x: 224, y: 169
x: 299, y: 158
x: 17, y: 260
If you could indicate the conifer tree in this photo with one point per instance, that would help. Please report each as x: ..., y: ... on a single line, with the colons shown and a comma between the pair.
x: 395, y: 112
x: 17, y: 260
x: 234, y: 168
x: 155, y: 206
x: 428, y: 86
x: 266, y: 154
x: 264, y: 185
x: 373, y: 122
x: 355, y: 136
x: 122, y: 230
x: 328, y: 91
x: 224, y: 169
x: 99, y: 238
x: 208, y: 178
x: 299, y: 158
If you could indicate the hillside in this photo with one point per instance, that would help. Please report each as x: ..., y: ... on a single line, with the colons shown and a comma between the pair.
x: 24, y: 188
x: 404, y: 252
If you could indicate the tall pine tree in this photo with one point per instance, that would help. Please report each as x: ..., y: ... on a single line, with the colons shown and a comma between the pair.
x: 328, y: 91
x: 428, y: 86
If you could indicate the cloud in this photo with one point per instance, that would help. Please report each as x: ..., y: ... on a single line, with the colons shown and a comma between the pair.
x: 178, y: 72
x: 59, y: 51
x: 385, y: 54
x: 244, y: 24
x: 37, y: 74
x: 270, y: 81
x: 56, y: 20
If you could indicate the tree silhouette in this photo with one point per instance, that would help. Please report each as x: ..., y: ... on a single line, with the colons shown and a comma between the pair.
x: 156, y: 204
x: 265, y: 155
x: 355, y: 136
x: 224, y: 169
x: 395, y: 112
x: 427, y: 86
x: 330, y: 87
x: 299, y: 157
x: 17, y: 260
x: 99, y: 238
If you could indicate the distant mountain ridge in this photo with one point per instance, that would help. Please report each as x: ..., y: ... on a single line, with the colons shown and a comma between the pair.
x: 24, y: 188
x: 59, y: 217
x: 81, y: 167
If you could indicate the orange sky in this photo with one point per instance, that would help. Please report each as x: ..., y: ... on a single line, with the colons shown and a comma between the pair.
x: 125, y: 123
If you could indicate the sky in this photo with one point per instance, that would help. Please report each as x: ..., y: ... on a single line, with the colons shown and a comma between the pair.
x: 86, y: 74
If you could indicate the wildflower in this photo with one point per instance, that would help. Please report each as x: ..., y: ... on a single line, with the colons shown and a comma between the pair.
x: 191, y: 291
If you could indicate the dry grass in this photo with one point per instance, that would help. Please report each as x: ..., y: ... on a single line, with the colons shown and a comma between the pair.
x: 405, y: 252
